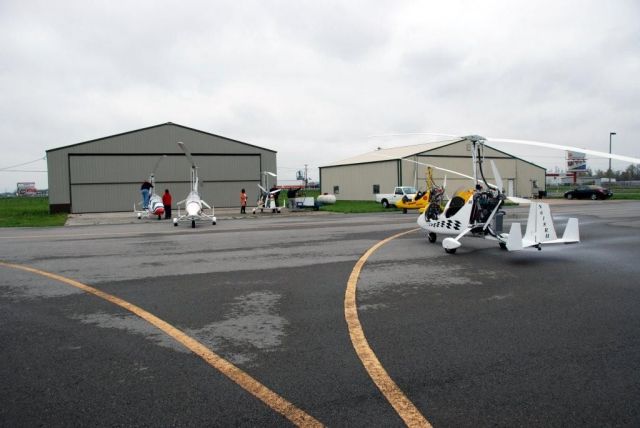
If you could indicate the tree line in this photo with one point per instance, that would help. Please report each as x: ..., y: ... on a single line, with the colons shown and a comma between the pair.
x: 632, y: 172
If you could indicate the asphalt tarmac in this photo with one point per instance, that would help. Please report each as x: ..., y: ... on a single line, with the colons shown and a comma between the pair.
x: 484, y: 337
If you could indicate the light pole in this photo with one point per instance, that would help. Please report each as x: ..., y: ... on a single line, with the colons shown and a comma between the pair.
x: 611, y: 134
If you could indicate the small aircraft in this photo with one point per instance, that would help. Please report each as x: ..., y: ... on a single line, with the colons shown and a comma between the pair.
x: 471, y: 212
x: 156, y: 207
x: 422, y: 200
x: 268, y: 199
x: 193, y: 204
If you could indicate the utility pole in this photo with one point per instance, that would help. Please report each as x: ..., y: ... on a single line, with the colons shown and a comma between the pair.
x: 306, y: 182
x: 609, y: 173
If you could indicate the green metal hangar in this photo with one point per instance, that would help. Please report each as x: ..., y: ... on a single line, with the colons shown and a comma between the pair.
x: 362, y: 177
x: 105, y: 174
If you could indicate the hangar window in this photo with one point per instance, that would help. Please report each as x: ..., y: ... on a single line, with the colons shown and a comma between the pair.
x: 376, y: 189
x: 336, y: 190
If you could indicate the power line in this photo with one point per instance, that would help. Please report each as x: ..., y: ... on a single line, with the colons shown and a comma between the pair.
x: 20, y: 170
x: 22, y: 164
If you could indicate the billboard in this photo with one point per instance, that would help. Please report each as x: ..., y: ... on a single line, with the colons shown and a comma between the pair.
x: 576, y: 162
x: 26, y: 188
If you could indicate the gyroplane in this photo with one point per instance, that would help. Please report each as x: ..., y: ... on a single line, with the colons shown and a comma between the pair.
x: 193, y: 204
x: 471, y: 211
x: 422, y: 200
x: 268, y: 199
x: 155, y: 207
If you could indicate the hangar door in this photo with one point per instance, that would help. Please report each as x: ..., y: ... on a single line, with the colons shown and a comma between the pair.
x: 110, y: 183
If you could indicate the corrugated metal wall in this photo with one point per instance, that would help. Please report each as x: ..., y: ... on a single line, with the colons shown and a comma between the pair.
x: 105, y: 175
x: 355, y: 181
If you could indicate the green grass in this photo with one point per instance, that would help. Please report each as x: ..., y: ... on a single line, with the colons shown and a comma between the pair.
x: 353, y: 207
x: 626, y: 195
x: 28, y: 212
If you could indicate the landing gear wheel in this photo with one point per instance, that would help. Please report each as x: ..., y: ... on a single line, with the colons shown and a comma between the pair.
x: 193, y: 224
x: 404, y: 211
x: 432, y: 237
x: 450, y: 250
x: 214, y: 223
x: 503, y: 245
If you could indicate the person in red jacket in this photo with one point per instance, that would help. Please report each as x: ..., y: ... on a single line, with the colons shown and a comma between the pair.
x: 243, y: 202
x: 166, y: 201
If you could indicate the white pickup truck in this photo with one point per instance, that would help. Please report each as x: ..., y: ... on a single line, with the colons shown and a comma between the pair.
x: 388, y: 199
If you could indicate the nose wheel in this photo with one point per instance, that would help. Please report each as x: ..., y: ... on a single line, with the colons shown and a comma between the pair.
x: 432, y: 237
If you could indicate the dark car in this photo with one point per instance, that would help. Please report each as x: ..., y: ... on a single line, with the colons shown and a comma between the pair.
x: 589, y: 192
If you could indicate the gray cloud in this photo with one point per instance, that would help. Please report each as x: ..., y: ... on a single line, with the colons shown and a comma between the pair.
x: 312, y: 80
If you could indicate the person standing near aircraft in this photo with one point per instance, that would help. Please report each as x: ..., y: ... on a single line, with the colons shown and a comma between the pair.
x: 243, y: 202
x: 145, y: 190
x: 166, y: 201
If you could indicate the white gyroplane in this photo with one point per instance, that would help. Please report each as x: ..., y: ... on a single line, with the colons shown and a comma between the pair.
x: 471, y: 212
x: 193, y: 204
x: 156, y: 207
x: 268, y: 199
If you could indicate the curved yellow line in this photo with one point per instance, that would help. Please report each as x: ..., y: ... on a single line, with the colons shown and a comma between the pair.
x: 267, y: 396
x: 405, y: 408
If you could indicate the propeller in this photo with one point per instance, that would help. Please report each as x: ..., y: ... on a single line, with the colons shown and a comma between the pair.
x: 497, y: 177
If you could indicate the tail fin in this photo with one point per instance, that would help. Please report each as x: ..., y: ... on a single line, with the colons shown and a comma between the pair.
x: 571, y: 232
x: 514, y: 241
x: 540, y: 224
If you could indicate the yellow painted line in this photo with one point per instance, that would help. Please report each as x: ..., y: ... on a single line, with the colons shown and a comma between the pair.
x: 405, y: 408
x: 260, y: 391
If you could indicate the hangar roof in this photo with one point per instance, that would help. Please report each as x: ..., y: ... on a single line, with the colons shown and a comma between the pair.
x: 157, y: 126
x: 394, y: 153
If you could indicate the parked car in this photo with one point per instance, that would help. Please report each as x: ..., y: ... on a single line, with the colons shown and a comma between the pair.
x: 589, y: 192
x: 388, y: 199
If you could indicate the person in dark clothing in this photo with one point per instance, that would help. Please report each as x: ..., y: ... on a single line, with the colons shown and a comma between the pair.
x: 166, y: 201
x: 145, y: 189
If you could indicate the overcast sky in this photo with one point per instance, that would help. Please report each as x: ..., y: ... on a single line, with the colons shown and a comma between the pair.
x: 313, y: 79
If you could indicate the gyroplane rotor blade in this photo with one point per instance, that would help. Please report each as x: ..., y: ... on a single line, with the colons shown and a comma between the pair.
x: 410, y: 134
x: 187, y: 153
x: 155, y: 167
x: 563, y: 147
x: 270, y: 173
x: 427, y: 164
x: 522, y: 142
